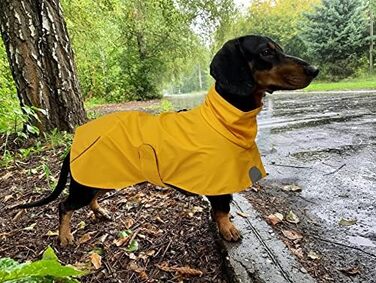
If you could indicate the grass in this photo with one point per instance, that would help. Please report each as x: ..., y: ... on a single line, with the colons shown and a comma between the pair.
x: 348, y: 84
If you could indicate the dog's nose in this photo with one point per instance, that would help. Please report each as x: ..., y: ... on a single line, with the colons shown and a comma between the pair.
x: 311, y: 71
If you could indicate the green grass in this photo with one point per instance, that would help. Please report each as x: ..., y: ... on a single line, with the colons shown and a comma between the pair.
x: 348, y: 84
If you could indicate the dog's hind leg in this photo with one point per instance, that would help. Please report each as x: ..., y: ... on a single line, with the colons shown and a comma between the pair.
x: 99, y: 212
x: 221, y: 215
x: 79, y: 196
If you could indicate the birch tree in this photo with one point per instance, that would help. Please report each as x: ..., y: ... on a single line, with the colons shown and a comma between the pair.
x: 41, y: 61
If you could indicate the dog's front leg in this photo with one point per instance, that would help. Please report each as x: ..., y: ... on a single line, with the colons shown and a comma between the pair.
x: 221, y: 215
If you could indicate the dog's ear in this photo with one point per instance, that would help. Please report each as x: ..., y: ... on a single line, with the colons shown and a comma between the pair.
x: 231, y: 69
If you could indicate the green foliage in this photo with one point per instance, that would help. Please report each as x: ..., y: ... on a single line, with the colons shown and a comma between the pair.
x: 335, y: 34
x: 279, y: 20
x: 48, y: 269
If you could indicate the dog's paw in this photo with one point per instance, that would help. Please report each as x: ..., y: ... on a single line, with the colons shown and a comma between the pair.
x: 66, y: 239
x: 229, y: 232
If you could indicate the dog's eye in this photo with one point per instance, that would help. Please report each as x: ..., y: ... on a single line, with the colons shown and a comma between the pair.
x: 266, y: 52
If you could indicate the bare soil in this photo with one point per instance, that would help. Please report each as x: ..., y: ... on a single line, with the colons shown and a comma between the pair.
x: 177, y: 240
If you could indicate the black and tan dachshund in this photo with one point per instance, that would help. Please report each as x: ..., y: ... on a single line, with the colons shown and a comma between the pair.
x: 244, y: 69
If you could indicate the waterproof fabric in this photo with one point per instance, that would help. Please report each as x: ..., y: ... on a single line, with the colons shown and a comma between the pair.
x: 208, y: 150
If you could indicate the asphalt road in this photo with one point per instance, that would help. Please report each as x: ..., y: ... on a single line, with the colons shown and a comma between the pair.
x: 326, y: 144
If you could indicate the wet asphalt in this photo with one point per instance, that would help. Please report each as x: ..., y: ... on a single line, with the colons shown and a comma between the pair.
x: 326, y: 144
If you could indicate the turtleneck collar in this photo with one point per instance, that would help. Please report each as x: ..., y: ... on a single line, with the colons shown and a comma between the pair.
x: 235, y: 125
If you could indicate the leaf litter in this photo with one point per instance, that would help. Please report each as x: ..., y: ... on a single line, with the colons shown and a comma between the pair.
x: 175, y: 237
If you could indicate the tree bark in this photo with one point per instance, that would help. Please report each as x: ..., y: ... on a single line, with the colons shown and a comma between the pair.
x: 42, y: 63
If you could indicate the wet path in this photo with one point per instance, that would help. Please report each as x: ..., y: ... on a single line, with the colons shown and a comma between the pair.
x: 331, y: 140
x: 326, y: 144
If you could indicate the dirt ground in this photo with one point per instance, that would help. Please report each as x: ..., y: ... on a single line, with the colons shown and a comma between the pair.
x: 172, y: 230
x: 176, y: 239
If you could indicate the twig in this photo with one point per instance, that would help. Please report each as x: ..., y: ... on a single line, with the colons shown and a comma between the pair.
x: 165, y: 251
x: 335, y: 171
x: 343, y: 245
x: 290, y: 166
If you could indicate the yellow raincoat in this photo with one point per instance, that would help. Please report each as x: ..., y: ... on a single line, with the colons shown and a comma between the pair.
x: 209, y: 150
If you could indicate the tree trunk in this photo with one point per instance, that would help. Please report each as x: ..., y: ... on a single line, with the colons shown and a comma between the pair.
x: 41, y: 60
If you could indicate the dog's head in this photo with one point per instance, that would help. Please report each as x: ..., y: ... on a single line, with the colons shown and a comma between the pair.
x: 256, y: 63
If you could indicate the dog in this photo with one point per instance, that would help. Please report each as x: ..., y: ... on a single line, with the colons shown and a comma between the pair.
x: 209, y: 150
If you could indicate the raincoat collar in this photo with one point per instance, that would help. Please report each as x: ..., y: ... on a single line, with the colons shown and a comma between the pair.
x: 237, y: 126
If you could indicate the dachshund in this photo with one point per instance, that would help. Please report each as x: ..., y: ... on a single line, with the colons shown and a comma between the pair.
x: 209, y: 150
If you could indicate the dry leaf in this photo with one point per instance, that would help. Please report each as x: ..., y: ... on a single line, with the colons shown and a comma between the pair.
x: 85, y: 238
x: 52, y: 233
x: 103, y: 238
x: 185, y: 270
x: 292, y: 188
x: 7, y: 197
x: 292, y: 217
x: 6, y: 176
x: 31, y: 227
x: 96, y: 260
x: 313, y: 255
x: 351, y: 270
x: 159, y: 219
x: 139, y: 270
x: 122, y: 241
x: 298, y: 252
x: 347, y: 222
x: 128, y: 223
x: 292, y: 235
x: 242, y: 214
x: 274, y: 219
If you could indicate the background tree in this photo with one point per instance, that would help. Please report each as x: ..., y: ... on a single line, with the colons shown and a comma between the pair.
x: 278, y: 19
x: 335, y: 33
x: 41, y: 61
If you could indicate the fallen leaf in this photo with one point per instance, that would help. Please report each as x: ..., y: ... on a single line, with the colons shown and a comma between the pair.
x: 275, y: 218
x: 185, y: 270
x: 139, y: 270
x: 31, y: 227
x: 96, y: 260
x: 121, y: 241
x: 103, y: 238
x: 6, y: 176
x: 347, y: 222
x: 351, y: 270
x: 242, y: 214
x: 292, y: 235
x: 313, y: 255
x: 52, y: 233
x: 292, y: 188
x: 128, y: 223
x: 298, y: 252
x: 85, y: 238
x: 159, y: 219
x: 81, y: 225
x: 132, y: 247
x: 292, y: 217
x: 7, y: 197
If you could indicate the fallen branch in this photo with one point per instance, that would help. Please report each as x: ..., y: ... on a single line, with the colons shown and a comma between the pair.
x: 335, y: 171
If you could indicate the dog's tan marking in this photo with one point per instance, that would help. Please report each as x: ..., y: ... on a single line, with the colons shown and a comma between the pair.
x: 226, y: 228
x: 65, y: 235
x: 99, y: 212
x: 288, y: 75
